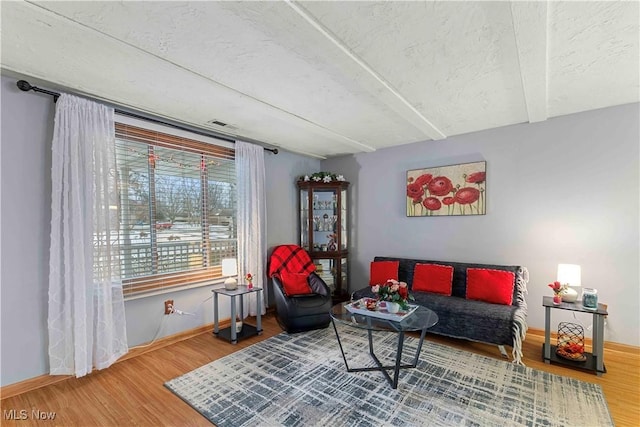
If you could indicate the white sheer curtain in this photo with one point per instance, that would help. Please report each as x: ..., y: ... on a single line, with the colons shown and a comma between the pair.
x: 86, y: 307
x: 252, y: 219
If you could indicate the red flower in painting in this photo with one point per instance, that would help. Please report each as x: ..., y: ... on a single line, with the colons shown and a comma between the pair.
x: 448, y: 201
x: 467, y: 195
x: 440, y: 186
x: 476, y: 177
x: 414, y: 190
x: 424, y: 179
x: 432, y: 203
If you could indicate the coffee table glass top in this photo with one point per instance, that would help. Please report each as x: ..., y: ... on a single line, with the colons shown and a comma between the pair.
x: 421, y: 319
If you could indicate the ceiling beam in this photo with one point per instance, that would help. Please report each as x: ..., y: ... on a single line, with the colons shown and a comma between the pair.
x: 394, y: 99
x: 530, y: 27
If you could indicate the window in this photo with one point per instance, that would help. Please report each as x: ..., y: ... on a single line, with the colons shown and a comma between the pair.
x: 177, y: 209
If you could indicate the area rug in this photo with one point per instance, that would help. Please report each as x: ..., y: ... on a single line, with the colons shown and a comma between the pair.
x: 301, y: 380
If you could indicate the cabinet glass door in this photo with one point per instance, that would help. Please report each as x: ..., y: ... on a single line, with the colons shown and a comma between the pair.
x: 343, y: 221
x: 324, y: 220
x: 333, y: 271
x: 324, y: 231
x: 304, y: 219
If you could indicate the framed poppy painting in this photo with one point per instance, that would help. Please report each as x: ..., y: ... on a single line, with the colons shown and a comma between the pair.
x: 447, y: 190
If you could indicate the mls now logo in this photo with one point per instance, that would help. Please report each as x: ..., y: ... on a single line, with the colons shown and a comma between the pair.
x: 14, y: 414
x: 23, y: 414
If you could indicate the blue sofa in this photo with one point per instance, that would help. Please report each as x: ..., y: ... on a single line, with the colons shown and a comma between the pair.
x: 469, y: 319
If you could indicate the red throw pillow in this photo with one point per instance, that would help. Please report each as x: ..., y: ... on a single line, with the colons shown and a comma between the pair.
x: 494, y: 286
x: 295, y: 283
x: 381, y: 271
x: 434, y: 278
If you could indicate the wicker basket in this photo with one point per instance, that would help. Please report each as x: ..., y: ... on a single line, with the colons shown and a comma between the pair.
x: 571, y: 342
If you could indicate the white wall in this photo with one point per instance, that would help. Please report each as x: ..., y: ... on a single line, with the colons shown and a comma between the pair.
x: 282, y: 172
x: 27, y: 128
x: 27, y: 125
x: 561, y: 191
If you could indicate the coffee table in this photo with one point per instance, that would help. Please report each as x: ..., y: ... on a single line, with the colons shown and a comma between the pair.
x: 421, y: 320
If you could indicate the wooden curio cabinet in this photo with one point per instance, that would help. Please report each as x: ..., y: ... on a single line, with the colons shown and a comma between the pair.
x: 324, y: 231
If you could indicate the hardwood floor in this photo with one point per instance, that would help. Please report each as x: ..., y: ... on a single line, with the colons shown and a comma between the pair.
x: 131, y: 392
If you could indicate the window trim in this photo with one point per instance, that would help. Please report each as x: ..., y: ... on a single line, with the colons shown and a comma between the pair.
x: 152, y: 126
x: 163, y: 136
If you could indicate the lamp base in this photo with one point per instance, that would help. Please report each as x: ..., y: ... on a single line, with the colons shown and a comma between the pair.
x: 570, y: 295
x: 231, y: 284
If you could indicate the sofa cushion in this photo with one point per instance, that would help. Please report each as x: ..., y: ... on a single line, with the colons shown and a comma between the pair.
x: 459, y: 289
x: 381, y: 271
x: 434, y: 278
x: 491, y: 286
x: 295, y: 283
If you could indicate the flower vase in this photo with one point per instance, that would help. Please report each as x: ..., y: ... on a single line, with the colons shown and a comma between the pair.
x: 557, y: 299
x: 393, y: 307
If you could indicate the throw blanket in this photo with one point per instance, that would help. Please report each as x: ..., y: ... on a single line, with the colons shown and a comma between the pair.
x: 291, y: 258
x: 520, y: 316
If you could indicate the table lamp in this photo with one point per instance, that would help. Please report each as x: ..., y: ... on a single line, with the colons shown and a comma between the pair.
x: 230, y: 268
x: 569, y: 274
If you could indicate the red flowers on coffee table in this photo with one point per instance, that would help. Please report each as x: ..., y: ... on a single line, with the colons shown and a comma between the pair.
x: 393, y: 291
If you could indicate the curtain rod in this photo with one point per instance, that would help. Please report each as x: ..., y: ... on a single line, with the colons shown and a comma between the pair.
x: 26, y: 87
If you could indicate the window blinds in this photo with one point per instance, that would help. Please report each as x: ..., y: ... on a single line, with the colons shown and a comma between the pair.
x: 177, y: 208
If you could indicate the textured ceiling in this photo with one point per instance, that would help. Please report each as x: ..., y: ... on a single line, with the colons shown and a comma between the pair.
x: 330, y: 78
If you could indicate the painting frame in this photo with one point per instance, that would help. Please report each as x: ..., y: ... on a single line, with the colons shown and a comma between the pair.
x: 449, y: 190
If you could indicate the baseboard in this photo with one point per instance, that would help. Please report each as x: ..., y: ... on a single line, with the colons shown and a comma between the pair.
x: 31, y: 384
x: 46, y: 379
x: 609, y: 345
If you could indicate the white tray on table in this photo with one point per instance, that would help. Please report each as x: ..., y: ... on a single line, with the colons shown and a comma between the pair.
x: 360, y: 307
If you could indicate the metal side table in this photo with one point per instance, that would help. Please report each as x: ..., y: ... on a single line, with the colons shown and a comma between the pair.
x: 595, y: 360
x: 230, y: 333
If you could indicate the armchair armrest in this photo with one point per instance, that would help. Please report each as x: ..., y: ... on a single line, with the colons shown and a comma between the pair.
x: 318, y: 286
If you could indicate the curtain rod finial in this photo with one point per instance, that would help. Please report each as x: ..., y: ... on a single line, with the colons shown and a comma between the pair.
x: 24, y: 85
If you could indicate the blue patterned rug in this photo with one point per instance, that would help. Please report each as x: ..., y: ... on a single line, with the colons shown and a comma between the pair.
x: 300, y: 380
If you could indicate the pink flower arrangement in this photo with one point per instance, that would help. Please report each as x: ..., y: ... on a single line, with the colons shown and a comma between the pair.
x: 393, y: 291
x: 557, y: 288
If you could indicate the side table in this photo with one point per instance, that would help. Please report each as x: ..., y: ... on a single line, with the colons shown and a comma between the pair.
x: 230, y: 333
x: 595, y: 360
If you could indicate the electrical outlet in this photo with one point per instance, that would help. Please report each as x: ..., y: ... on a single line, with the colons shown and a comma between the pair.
x: 168, y: 306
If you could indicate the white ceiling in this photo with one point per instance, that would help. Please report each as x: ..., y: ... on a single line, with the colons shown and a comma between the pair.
x: 330, y: 78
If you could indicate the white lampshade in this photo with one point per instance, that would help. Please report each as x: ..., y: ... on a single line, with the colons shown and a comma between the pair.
x: 230, y: 268
x: 569, y: 274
